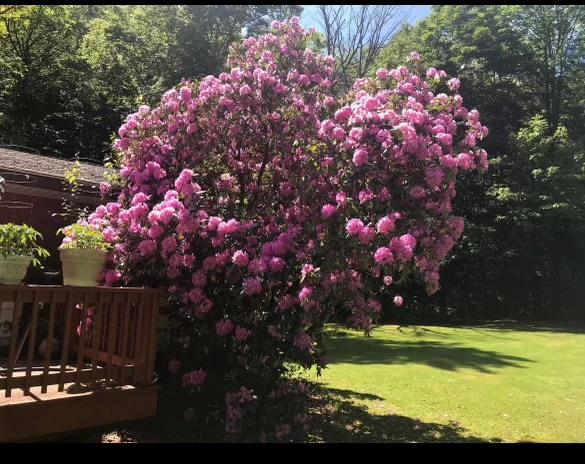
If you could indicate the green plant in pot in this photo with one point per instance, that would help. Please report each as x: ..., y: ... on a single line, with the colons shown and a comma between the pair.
x: 18, y: 248
x: 83, y: 255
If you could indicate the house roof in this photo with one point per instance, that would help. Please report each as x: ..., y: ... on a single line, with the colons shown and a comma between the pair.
x: 21, y: 161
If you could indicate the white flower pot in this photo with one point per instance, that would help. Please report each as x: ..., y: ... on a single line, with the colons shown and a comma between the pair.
x: 13, y: 269
x: 82, y: 268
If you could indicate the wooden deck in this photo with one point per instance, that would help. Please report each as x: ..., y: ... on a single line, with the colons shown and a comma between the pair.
x: 101, y: 371
x: 36, y: 415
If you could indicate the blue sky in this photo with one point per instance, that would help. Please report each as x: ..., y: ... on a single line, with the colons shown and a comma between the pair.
x: 415, y: 14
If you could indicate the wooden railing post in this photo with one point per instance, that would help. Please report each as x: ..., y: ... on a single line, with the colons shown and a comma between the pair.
x: 13, y: 337
x: 82, y: 336
x: 97, y: 333
x: 127, y: 308
x: 66, y: 335
x: 31, y: 342
x: 113, y: 331
x: 152, y: 339
x: 49, y: 346
x: 138, y: 340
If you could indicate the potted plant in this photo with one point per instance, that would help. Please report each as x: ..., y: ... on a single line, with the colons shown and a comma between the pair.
x: 83, y: 255
x: 18, y: 248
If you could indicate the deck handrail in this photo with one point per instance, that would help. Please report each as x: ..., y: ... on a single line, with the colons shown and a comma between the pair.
x: 116, y: 343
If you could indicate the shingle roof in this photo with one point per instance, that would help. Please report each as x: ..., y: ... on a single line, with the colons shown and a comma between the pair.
x: 21, y: 161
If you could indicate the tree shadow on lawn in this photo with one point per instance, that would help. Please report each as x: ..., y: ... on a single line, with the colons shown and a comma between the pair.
x: 512, y: 325
x: 447, y: 356
x: 336, y: 418
x: 500, y: 325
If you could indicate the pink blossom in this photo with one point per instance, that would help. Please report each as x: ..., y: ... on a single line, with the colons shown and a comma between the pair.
x: 146, y: 247
x: 354, y: 226
x: 382, y: 74
x: 224, y: 327
x: 105, y: 188
x: 366, y: 235
x: 252, y: 286
x: 360, y: 157
x: 327, y: 211
x: 194, y: 378
x: 305, y: 293
x: 242, y: 334
x: 365, y: 195
x: 276, y: 264
x: 465, y: 161
x: 245, y: 90
x: 385, y: 225
x: 240, y: 258
x: 383, y: 255
x: 453, y: 84
x: 445, y: 139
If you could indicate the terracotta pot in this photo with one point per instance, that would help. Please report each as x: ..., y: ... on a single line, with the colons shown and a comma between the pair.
x: 13, y: 269
x: 82, y: 268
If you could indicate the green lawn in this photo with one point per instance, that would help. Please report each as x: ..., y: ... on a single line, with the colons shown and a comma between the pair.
x: 421, y: 383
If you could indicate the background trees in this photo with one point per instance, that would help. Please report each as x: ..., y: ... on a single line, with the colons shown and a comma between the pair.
x: 522, y: 68
x: 355, y: 35
x: 69, y: 75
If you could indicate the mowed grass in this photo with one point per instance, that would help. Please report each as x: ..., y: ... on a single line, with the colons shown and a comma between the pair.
x: 503, y: 382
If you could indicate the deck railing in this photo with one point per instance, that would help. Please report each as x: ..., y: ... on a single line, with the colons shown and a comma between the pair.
x: 115, y: 346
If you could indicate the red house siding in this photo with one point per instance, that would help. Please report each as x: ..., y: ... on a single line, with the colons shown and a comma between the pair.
x: 45, y: 192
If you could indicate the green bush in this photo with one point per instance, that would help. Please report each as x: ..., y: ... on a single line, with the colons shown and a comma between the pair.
x: 21, y: 240
x: 84, y: 237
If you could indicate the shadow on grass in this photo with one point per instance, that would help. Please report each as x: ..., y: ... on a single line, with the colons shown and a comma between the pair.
x: 447, y: 356
x: 511, y: 325
x: 416, y: 331
x: 336, y: 418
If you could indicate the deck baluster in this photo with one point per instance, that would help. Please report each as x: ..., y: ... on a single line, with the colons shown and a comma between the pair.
x: 82, y: 336
x: 138, y: 340
x: 31, y: 342
x: 112, y: 337
x: 49, y: 346
x: 66, y: 336
x: 99, y: 320
x: 13, y: 337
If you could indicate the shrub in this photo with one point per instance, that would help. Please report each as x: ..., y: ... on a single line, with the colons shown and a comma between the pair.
x: 84, y: 236
x: 265, y: 205
x: 21, y: 240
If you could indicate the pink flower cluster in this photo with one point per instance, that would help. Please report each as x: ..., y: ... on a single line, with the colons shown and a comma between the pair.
x: 195, y: 378
x: 231, y: 186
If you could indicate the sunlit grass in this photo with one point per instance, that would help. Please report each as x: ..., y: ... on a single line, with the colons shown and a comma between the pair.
x: 422, y: 383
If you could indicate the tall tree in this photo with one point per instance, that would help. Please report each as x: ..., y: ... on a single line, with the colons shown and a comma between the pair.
x: 356, y: 34
x: 554, y: 32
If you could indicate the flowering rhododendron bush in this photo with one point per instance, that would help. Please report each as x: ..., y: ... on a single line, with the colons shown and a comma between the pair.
x: 265, y: 205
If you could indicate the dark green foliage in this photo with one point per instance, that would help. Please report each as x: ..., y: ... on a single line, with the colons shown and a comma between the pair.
x: 522, y: 67
x: 21, y: 240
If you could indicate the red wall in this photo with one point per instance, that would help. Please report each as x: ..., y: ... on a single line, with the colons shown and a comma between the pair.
x: 40, y: 216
